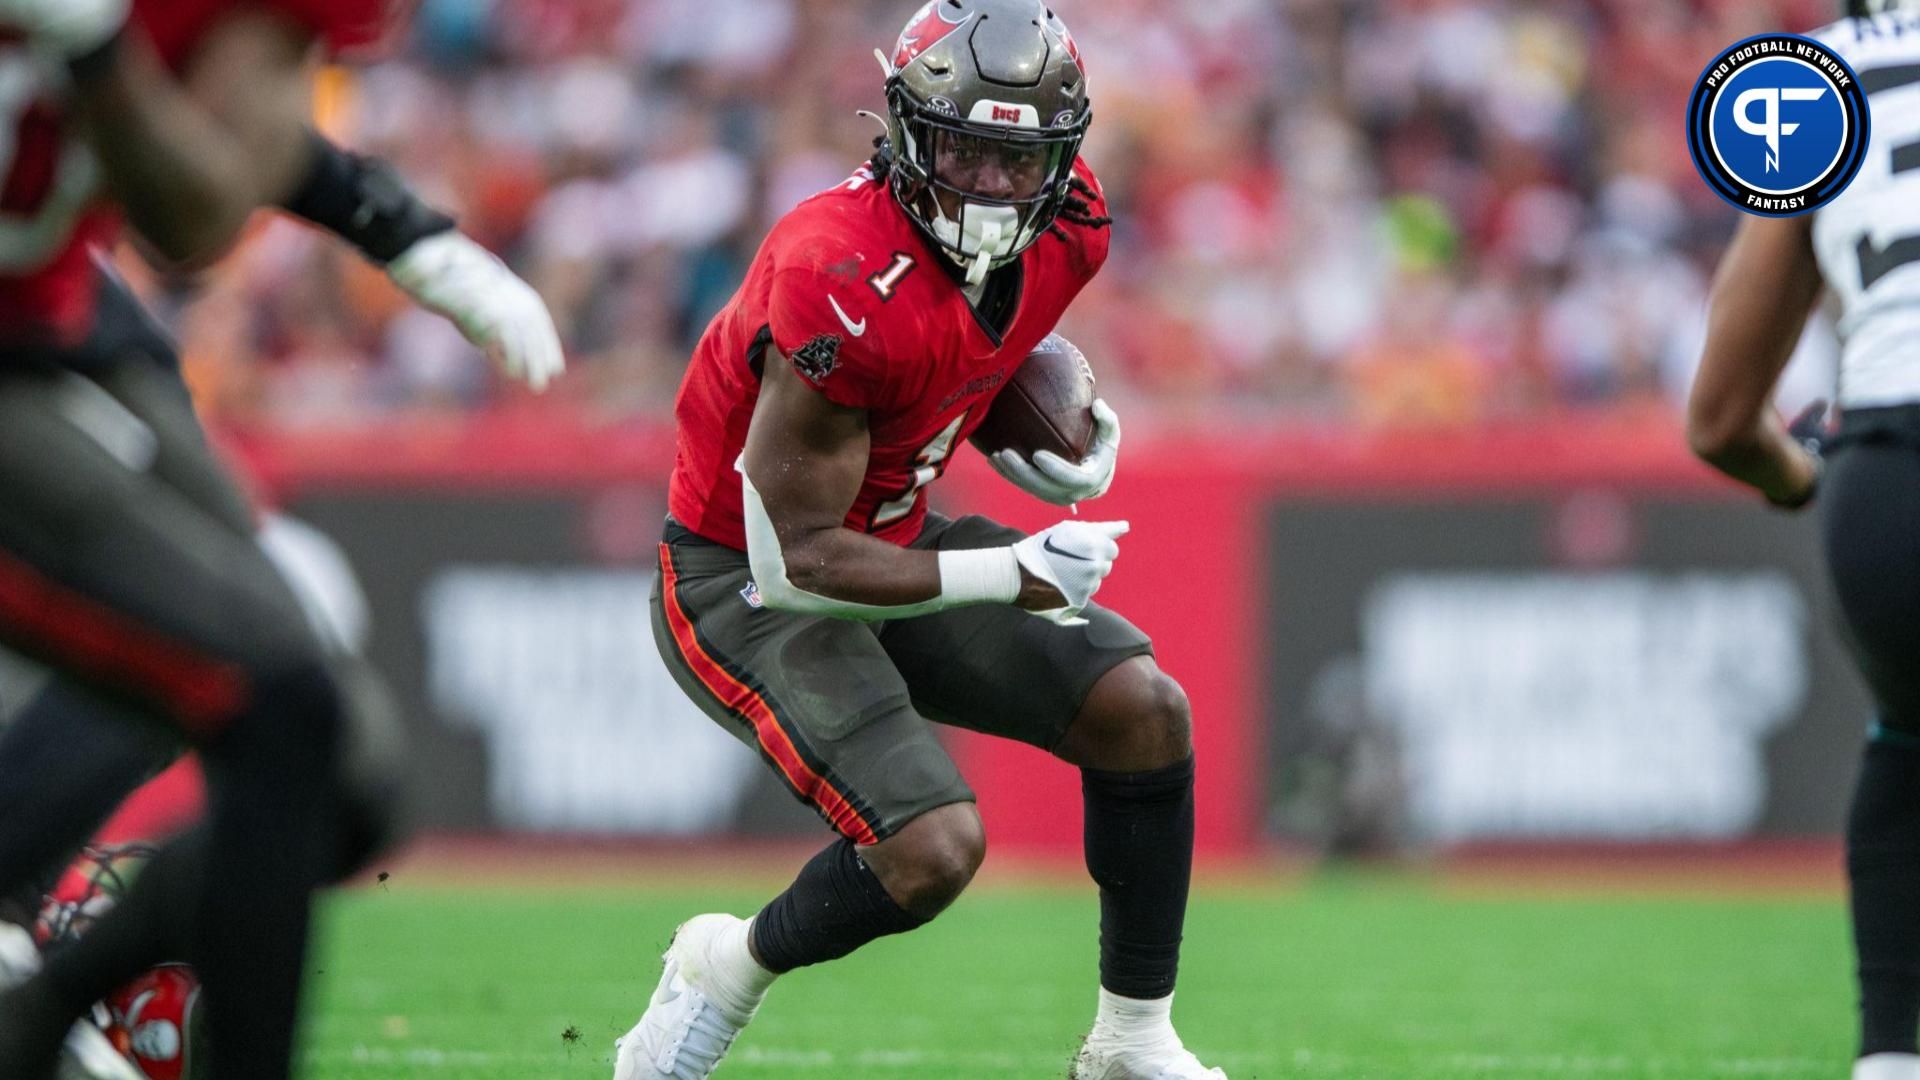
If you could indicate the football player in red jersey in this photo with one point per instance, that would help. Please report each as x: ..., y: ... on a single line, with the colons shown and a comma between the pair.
x: 127, y: 558
x: 810, y: 603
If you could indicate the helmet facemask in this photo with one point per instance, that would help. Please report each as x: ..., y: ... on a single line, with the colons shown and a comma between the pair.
x: 983, y: 191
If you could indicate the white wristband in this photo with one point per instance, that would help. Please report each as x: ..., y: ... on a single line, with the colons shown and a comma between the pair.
x: 981, y: 575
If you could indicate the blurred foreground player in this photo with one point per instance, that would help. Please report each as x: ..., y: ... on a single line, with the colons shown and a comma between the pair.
x: 127, y: 561
x: 1865, y: 247
x: 811, y: 605
x: 127, y: 955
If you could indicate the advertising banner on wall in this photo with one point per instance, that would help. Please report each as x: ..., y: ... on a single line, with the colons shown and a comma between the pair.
x: 1571, y: 665
x: 1387, y: 644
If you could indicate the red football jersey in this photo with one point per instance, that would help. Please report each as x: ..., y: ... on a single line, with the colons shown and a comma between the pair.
x: 51, y: 211
x: 858, y: 302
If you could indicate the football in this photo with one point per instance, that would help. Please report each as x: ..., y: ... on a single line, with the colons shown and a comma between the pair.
x: 1048, y: 405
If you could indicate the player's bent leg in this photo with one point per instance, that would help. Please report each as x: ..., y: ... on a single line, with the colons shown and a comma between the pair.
x: 235, y: 904
x: 111, y: 575
x: 1093, y: 696
x: 927, y: 864
x: 719, y: 968
x: 1136, y: 719
x: 1133, y: 741
x: 153, y: 926
x: 822, y: 703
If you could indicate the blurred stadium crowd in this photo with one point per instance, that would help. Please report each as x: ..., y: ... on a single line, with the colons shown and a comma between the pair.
x: 1388, y: 213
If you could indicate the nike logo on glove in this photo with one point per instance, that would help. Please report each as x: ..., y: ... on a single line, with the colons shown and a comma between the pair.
x: 854, y: 328
x: 1048, y: 544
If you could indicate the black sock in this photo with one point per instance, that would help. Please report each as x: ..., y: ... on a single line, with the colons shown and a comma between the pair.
x: 1139, y: 840
x: 1883, y: 866
x: 835, y: 906
x: 148, y: 927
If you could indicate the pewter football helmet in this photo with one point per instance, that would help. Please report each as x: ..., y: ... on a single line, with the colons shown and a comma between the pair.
x: 986, y: 108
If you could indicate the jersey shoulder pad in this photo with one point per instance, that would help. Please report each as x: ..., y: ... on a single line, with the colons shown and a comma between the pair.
x: 834, y: 330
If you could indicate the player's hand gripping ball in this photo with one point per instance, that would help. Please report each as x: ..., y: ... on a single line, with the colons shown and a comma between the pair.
x: 1047, y: 433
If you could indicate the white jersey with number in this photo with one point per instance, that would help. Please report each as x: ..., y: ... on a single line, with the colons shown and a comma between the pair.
x: 1868, y: 239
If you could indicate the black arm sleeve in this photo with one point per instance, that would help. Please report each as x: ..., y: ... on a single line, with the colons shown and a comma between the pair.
x: 365, y: 202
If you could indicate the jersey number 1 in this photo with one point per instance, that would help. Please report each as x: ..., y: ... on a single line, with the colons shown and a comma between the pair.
x: 930, y: 462
x: 1878, y: 262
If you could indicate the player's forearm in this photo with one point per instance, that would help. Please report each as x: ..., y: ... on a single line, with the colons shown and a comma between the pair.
x: 1766, y: 286
x: 844, y: 565
x: 186, y: 187
x: 809, y: 566
x: 191, y: 156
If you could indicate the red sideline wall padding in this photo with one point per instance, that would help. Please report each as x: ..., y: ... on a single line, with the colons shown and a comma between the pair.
x: 1190, y: 573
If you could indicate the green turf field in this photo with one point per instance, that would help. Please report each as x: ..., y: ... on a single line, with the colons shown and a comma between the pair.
x: 1346, y: 977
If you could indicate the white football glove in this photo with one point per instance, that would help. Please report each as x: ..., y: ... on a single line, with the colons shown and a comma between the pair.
x: 1059, y: 481
x: 1073, y: 557
x: 68, y: 28
x: 451, y: 275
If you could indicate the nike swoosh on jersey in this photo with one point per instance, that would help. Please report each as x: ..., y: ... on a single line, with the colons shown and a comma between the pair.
x: 1048, y: 544
x: 854, y: 328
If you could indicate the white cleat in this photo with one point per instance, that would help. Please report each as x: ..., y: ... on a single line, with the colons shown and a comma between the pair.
x: 1166, y: 1059
x: 1887, y: 1067
x: 87, y: 1054
x: 684, y: 1032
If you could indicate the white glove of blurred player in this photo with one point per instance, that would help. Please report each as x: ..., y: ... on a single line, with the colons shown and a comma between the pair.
x: 68, y: 28
x: 1074, y: 557
x: 1059, y: 481
x: 451, y: 275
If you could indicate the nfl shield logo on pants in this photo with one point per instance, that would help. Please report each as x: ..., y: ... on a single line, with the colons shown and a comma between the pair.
x: 751, y: 594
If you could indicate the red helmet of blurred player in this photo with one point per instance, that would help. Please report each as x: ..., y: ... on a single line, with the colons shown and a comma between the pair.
x: 155, y: 1021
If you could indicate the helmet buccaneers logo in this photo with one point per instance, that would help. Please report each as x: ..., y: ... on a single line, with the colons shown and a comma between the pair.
x: 156, y: 1023
x: 926, y: 29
